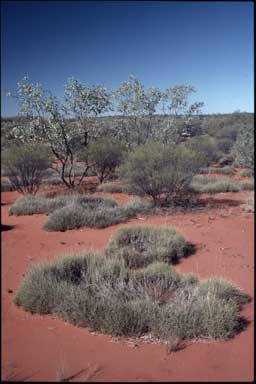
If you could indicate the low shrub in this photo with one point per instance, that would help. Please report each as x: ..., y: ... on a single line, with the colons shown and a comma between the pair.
x: 101, y: 293
x: 25, y: 166
x: 162, y: 172
x: 228, y: 170
x: 204, y: 184
x: 142, y: 245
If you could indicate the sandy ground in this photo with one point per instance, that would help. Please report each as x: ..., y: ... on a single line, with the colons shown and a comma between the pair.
x: 42, y: 348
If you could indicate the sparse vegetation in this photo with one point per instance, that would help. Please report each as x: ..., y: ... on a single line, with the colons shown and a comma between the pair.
x: 204, y: 184
x: 228, y: 170
x: 103, y: 294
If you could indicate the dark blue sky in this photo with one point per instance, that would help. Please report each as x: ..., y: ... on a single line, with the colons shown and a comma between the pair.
x: 205, y: 44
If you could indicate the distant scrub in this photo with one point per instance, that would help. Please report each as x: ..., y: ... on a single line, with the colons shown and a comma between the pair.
x: 103, y: 294
x: 140, y: 246
x: 204, y: 184
x: 228, y: 170
x: 113, y: 188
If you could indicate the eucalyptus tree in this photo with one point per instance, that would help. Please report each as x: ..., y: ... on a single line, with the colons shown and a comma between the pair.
x: 135, y: 104
x: 84, y: 103
x: 47, y: 121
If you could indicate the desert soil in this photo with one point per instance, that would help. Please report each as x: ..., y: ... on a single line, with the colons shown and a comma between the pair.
x: 43, y: 348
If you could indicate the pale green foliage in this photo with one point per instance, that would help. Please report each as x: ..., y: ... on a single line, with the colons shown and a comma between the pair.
x: 105, y: 156
x: 161, y: 172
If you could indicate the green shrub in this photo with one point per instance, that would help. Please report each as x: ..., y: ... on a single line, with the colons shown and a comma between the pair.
x: 205, y: 145
x: 25, y: 166
x: 161, y: 172
x: 105, y: 155
x: 204, y: 184
x: 92, y: 291
x: 140, y: 246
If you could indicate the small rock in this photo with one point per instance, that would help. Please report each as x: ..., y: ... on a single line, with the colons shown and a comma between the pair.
x: 9, y: 290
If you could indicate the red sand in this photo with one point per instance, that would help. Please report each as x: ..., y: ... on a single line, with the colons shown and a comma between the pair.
x: 42, y: 348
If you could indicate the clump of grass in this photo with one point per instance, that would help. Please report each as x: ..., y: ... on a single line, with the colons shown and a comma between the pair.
x: 30, y: 205
x: 246, y: 173
x: 139, y: 246
x: 137, y: 206
x: 101, y: 293
x: 204, y: 184
x: 74, y: 216
x: 228, y: 170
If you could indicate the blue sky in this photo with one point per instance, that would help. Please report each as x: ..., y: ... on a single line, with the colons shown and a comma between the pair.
x: 205, y: 44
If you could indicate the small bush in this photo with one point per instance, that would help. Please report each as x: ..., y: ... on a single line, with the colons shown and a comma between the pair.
x: 204, y: 184
x: 105, y: 155
x: 25, y: 166
x: 139, y: 246
x: 162, y: 172
x: 205, y: 145
x: 92, y: 291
